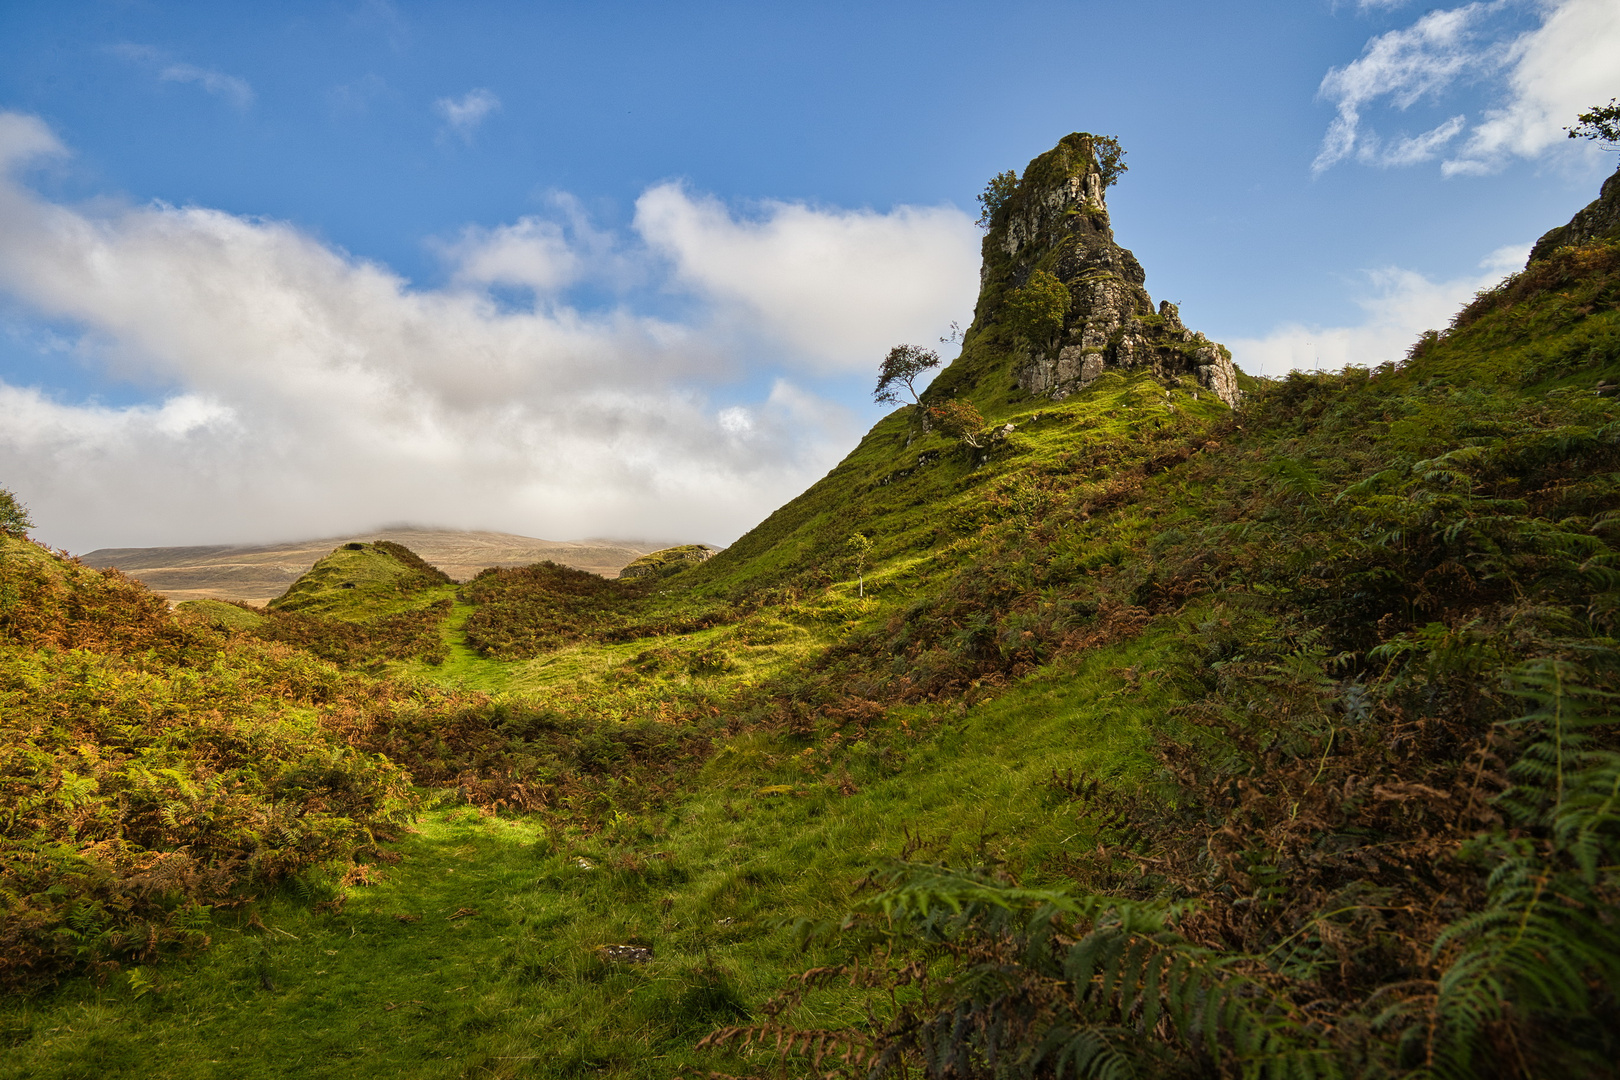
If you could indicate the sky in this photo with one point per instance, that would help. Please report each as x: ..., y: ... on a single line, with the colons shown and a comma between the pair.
x: 566, y: 269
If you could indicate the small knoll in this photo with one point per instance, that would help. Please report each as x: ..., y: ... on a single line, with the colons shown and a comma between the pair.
x: 357, y: 578
x: 258, y: 573
x: 667, y: 561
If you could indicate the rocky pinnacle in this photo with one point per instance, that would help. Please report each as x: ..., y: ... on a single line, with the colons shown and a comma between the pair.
x: 1056, y: 220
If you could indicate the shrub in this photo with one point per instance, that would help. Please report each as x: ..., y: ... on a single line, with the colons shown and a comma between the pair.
x: 1037, y: 311
x: 14, y: 519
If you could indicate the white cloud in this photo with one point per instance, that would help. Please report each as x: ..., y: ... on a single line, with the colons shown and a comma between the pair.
x: 838, y: 288
x: 1410, y: 151
x: 533, y: 252
x: 1542, y: 78
x: 25, y: 138
x: 1404, y: 66
x: 1400, y: 305
x: 234, y: 89
x: 1567, y: 65
x: 315, y: 392
x: 464, y: 114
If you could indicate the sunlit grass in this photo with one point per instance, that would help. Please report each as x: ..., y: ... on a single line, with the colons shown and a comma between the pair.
x: 775, y: 829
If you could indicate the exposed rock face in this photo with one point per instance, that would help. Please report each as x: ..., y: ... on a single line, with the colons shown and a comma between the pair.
x: 1056, y: 220
x: 1599, y: 221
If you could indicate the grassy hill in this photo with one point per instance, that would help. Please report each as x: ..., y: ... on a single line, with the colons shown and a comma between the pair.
x: 1149, y: 737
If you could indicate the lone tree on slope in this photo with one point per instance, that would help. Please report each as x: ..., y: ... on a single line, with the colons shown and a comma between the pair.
x: 860, y: 549
x: 900, y: 368
x: 959, y: 420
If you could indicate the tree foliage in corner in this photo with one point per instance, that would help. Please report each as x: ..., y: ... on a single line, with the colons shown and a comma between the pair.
x: 1037, y: 311
x: 900, y: 369
x: 1600, y: 123
x: 14, y: 519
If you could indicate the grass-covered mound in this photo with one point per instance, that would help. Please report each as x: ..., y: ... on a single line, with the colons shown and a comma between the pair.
x: 364, y: 605
x: 527, y: 611
x: 667, y: 561
x: 222, y: 614
x: 359, y: 580
x: 1388, y: 840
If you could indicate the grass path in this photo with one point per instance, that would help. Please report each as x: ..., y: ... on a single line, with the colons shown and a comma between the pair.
x: 772, y: 832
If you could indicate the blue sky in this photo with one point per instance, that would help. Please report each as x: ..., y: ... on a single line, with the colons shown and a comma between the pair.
x: 572, y: 269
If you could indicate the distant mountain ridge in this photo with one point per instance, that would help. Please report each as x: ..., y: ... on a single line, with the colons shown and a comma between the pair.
x: 259, y: 573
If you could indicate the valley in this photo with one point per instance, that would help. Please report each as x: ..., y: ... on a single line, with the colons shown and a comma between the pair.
x: 1165, y: 722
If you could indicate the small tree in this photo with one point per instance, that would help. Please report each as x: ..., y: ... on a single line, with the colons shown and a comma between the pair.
x: 1110, y: 158
x: 1038, y: 310
x: 14, y: 519
x: 959, y: 420
x: 995, y: 196
x: 1601, y: 123
x: 860, y: 549
x: 900, y: 369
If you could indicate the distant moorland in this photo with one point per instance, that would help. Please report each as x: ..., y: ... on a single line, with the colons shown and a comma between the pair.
x: 258, y: 573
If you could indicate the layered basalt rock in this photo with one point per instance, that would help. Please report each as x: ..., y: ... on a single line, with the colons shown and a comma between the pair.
x: 1056, y: 220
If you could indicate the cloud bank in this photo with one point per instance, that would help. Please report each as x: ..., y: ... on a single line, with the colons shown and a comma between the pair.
x: 1399, y: 305
x: 1539, y: 78
x: 313, y: 392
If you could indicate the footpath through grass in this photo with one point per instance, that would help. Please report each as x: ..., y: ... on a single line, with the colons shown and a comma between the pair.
x: 478, y: 953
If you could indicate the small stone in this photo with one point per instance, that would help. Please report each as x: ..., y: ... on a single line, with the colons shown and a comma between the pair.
x: 626, y: 954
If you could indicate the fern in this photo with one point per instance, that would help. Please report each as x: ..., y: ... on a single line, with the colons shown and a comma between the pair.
x: 1546, y: 936
x: 1079, y: 985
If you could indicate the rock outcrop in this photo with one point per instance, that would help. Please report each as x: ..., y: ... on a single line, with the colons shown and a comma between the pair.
x: 1599, y: 221
x: 1055, y: 220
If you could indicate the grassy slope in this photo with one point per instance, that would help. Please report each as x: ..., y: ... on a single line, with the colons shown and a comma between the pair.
x: 517, y: 990
x: 783, y: 822
x: 954, y: 776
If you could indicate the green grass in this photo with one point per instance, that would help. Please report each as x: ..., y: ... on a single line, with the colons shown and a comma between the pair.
x: 221, y: 615
x: 364, y: 582
x: 518, y: 990
x: 1257, y: 564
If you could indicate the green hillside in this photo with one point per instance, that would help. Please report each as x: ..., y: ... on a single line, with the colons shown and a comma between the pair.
x: 1125, y: 733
